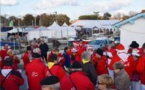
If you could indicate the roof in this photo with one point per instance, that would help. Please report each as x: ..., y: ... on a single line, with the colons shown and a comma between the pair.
x: 93, y: 23
x: 129, y: 20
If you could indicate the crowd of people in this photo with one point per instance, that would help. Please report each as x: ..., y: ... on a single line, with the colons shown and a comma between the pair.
x: 77, y: 68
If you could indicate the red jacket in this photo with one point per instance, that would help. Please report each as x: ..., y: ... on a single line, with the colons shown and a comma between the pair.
x: 101, y: 65
x: 36, y: 71
x: 3, y: 54
x: 25, y: 59
x: 129, y: 64
x: 58, y: 71
x: 141, y: 68
x: 81, y: 81
x: 62, y: 60
x: 13, y: 81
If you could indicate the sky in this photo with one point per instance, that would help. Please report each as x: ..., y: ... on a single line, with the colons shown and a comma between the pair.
x: 72, y: 8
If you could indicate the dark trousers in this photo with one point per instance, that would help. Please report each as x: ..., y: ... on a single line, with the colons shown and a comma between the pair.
x: 44, y: 56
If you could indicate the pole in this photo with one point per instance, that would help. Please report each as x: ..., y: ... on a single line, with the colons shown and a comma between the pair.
x: 35, y: 20
x: 67, y: 36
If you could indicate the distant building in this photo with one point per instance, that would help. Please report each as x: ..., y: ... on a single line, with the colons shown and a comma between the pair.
x: 132, y: 29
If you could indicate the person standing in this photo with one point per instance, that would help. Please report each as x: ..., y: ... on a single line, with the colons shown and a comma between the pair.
x: 27, y: 56
x: 44, y: 49
x: 100, y: 62
x: 67, y: 57
x: 13, y: 78
x: 15, y: 59
x: 88, y: 67
x: 3, y: 54
x: 55, y: 68
x: 36, y: 71
x: 77, y: 80
x: 141, y: 68
x: 123, y: 57
x: 122, y: 80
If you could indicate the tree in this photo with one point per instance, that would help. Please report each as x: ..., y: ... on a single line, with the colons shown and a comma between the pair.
x: 28, y: 20
x: 125, y: 17
x: 89, y: 17
x: 132, y: 13
x: 143, y: 11
x: 106, y: 16
x: 118, y: 16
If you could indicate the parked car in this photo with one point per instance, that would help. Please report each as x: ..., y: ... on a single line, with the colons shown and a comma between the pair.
x: 99, y: 43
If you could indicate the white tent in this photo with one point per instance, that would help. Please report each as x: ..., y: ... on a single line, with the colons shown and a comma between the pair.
x: 64, y: 25
x: 68, y: 31
x: 15, y: 30
x: 54, y: 26
x: 42, y: 28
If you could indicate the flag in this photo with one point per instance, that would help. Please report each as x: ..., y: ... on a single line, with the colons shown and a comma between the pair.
x: 11, y: 24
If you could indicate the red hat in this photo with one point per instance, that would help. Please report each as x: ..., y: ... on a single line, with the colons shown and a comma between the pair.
x: 120, y: 48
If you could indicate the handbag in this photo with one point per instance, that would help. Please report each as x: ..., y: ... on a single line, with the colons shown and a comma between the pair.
x: 1, y: 86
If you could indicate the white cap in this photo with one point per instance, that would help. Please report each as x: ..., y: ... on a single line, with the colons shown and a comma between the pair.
x: 74, y: 50
x: 37, y: 50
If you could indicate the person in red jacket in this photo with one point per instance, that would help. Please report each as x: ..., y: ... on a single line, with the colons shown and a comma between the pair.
x: 100, y: 62
x: 14, y: 79
x: 135, y: 81
x: 15, y: 59
x: 77, y: 80
x: 36, y: 71
x: 60, y: 56
x: 27, y: 56
x: 141, y: 68
x: 55, y: 68
x: 125, y: 58
x: 3, y: 54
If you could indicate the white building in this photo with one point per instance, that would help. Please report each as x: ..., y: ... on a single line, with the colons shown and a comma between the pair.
x: 132, y: 29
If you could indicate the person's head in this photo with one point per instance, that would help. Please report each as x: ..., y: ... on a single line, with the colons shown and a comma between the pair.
x: 135, y: 54
x: 120, y: 48
x: 86, y: 56
x: 42, y: 42
x: 29, y: 48
x: 74, y: 51
x: 66, y: 49
x: 90, y: 49
x: 112, y: 44
x: 55, y: 50
x: 118, y: 66
x: 99, y: 53
x: 76, y: 66
x: 36, y: 53
x: 134, y: 44
x: 143, y: 47
x: 105, y: 82
x: 50, y: 83
x: 10, y: 52
x: 6, y: 46
x: 8, y: 62
x: 54, y: 58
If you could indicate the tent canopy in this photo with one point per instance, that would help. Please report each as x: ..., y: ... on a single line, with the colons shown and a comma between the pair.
x: 54, y: 26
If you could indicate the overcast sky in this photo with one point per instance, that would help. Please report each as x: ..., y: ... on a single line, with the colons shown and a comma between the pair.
x: 72, y: 8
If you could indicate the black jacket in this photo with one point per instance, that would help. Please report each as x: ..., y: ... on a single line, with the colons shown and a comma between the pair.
x: 44, y: 48
x: 90, y: 71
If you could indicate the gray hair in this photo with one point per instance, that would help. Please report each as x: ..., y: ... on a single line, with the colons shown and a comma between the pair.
x: 118, y: 65
x: 86, y: 55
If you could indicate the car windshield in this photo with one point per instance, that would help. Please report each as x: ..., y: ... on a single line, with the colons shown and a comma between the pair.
x: 95, y: 42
